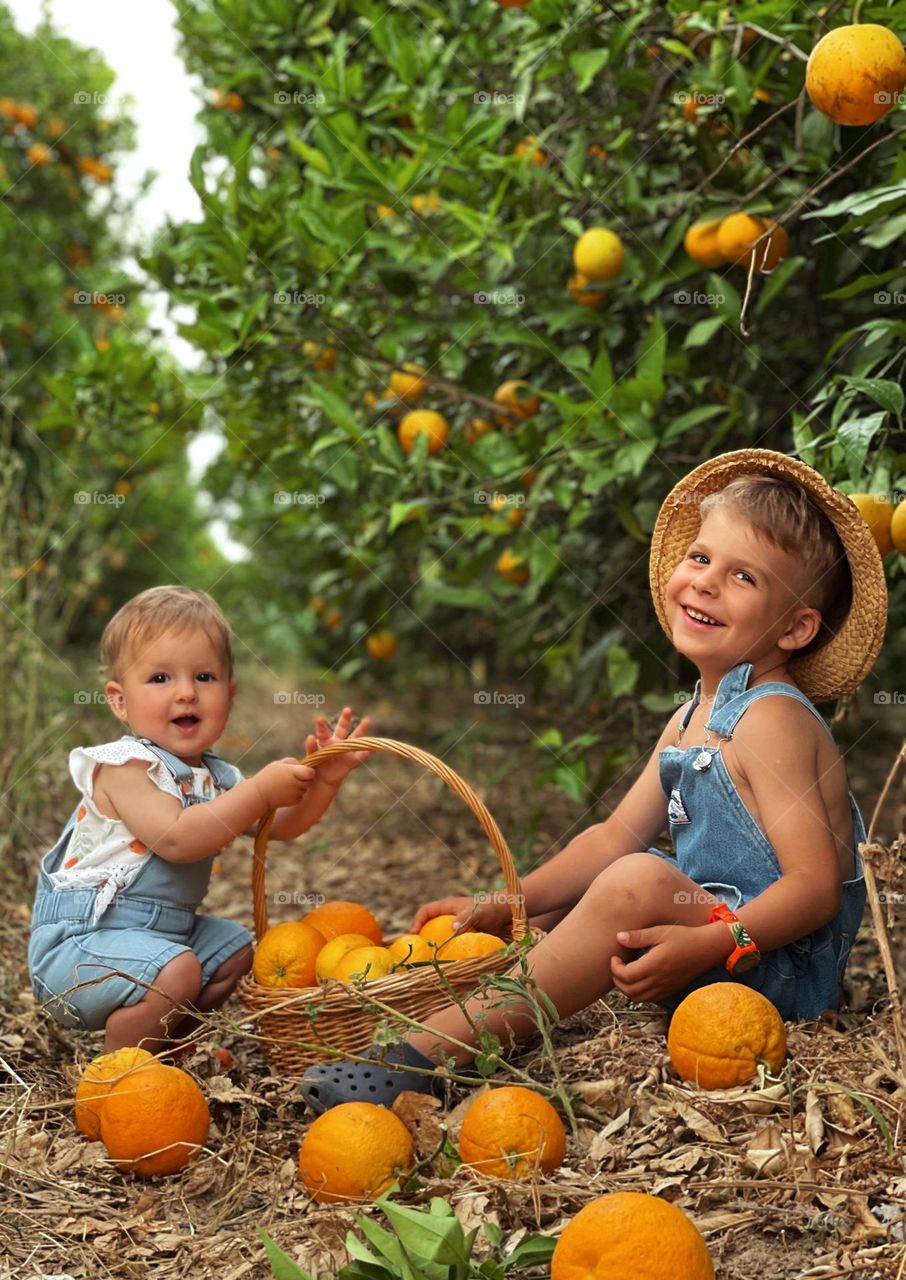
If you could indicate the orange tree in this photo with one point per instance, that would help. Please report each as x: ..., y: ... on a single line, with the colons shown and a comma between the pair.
x: 94, y: 501
x: 391, y: 185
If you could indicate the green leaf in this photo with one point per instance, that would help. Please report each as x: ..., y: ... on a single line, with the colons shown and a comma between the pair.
x: 281, y: 1264
x: 654, y: 350
x: 334, y: 406
x: 436, y: 1236
x: 888, y: 394
x: 860, y: 202
x: 586, y: 64
x: 622, y: 671
x: 702, y: 331
x: 856, y: 435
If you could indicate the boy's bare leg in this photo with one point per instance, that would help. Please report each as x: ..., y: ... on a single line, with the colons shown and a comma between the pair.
x: 572, y: 964
x: 148, y: 1022
x: 215, y: 993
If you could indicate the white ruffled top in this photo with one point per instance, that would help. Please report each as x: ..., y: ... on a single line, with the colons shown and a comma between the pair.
x: 102, y: 851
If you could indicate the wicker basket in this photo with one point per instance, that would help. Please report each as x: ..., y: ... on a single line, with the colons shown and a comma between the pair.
x: 306, y: 1025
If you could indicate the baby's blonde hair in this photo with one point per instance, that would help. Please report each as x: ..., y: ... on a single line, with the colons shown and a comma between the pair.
x: 154, y: 612
x: 782, y: 512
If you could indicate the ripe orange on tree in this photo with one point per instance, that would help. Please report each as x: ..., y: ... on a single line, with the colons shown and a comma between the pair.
x: 510, y: 1133
x: 39, y: 154
x: 855, y: 74
x: 738, y: 233
x: 519, y: 406
x: 321, y: 357
x: 354, y: 1152
x: 898, y: 528
x: 513, y: 568
x: 720, y: 1033
x: 154, y: 1120
x: 92, y: 168
x: 598, y: 254
x: 97, y: 1080
x: 382, y: 644
x: 576, y: 288
x: 408, y: 382
x: 423, y: 422
x: 341, y: 916
x: 628, y: 1235
x: 878, y: 514
x: 476, y: 428
x: 700, y: 243
x: 513, y: 4
x: 287, y: 954
x: 527, y: 147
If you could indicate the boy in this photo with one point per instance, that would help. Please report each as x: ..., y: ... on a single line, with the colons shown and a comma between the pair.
x: 771, y: 584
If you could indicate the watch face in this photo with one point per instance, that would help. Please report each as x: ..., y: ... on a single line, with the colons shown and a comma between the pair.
x: 746, y: 962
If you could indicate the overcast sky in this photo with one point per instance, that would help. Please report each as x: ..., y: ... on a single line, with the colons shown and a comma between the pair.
x: 139, y: 42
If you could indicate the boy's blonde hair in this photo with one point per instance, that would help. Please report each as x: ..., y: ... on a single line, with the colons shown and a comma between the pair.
x: 785, y: 516
x: 154, y: 612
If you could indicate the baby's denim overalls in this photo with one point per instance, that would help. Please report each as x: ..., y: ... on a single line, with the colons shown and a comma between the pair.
x: 720, y: 846
x: 146, y: 925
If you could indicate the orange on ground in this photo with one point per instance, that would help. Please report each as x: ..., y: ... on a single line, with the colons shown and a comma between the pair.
x: 855, y: 73
x: 628, y: 1235
x: 364, y: 964
x: 477, y: 427
x: 154, y: 1121
x: 512, y: 397
x: 878, y: 514
x: 408, y: 382
x: 411, y: 948
x: 333, y: 952
x: 576, y: 289
x: 470, y: 946
x: 286, y: 955
x: 898, y: 528
x: 354, y: 1152
x: 97, y: 1080
x: 700, y: 243
x: 437, y: 930
x: 336, y: 917
x: 511, y: 1132
x: 382, y: 644
x: 598, y: 254
x: 513, y: 568
x: 720, y: 1033
x: 423, y: 422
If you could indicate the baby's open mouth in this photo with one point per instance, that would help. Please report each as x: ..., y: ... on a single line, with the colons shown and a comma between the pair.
x: 186, y: 720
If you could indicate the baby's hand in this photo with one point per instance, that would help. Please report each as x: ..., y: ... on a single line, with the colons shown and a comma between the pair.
x: 489, y: 916
x: 333, y: 771
x: 284, y: 782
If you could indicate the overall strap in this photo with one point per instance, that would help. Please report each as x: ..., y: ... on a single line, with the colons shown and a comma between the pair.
x: 733, y: 699
x: 225, y: 775
x: 178, y: 769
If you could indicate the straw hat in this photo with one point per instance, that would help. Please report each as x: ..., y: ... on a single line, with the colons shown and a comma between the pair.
x: 841, y: 664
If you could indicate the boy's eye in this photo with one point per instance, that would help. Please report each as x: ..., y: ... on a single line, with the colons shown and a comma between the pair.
x: 748, y: 577
x: 698, y: 556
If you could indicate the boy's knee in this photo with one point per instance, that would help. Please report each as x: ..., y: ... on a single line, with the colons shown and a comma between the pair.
x: 631, y: 877
x: 239, y: 963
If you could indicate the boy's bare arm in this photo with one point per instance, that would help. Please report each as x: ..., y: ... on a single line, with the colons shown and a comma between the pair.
x: 175, y: 833
x: 638, y: 819
x: 779, y: 757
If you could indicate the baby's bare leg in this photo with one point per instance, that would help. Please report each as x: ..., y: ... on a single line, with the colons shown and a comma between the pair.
x: 146, y: 1023
x: 572, y: 964
x: 216, y: 991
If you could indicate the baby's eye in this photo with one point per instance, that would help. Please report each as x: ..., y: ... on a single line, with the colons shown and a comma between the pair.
x: 748, y: 577
x: 208, y: 674
x: 156, y: 674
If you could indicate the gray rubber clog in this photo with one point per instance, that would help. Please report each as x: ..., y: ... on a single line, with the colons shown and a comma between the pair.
x: 379, y: 1081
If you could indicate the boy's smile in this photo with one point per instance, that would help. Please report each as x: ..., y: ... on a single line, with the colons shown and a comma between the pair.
x: 734, y: 598
x: 177, y: 692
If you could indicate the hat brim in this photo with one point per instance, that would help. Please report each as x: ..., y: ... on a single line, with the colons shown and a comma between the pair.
x: 839, y: 666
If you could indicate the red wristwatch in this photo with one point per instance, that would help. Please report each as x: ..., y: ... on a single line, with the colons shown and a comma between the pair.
x: 745, y: 954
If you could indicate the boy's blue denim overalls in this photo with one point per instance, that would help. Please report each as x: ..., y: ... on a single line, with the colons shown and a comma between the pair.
x: 720, y: 846
x: 146, y: 925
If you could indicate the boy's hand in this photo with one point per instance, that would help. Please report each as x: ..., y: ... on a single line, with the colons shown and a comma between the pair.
x: 284, y: 782
x: 678, y: 954
x: 484, y: 917
x: 334, y: 771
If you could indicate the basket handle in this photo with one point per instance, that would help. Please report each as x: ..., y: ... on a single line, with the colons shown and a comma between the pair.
x: 433, y: 765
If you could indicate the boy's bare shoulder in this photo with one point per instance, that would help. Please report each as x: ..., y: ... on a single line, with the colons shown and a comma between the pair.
x: 782, y: 724
x: 118, y: 784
